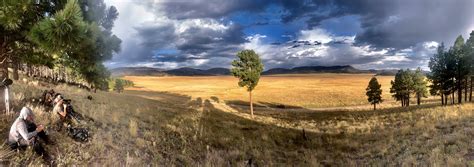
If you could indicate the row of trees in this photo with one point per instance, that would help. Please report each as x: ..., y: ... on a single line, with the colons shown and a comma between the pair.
x: 409, y: 83
x: 70, y: 37
x: 451, y: 75
x: 406, y: 84
x: 452, y: 71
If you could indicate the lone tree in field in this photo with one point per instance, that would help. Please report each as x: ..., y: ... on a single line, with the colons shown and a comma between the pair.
x: 374, y: 92
x: 247, y: 67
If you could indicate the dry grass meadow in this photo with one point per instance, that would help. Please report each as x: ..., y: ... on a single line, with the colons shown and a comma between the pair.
x: 303, y: 90
x: 301, y: 120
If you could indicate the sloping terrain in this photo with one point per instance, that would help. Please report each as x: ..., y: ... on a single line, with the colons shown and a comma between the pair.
x: 158, y: 128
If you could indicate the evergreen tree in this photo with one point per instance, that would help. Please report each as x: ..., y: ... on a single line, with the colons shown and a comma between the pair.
x: 82, y: 39
x: 419, y: 85
x: 402, y: 87
x: 448, y: 74
x: 247, y: 67
x: 374, y: 92
x: 118, y: 85
x: 462, y: 66
x: 470, y: 60
x: 435, y: 76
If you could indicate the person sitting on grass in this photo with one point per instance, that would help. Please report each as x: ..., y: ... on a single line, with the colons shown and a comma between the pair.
x: 61, y: 109
x: 49, y: 98
x: 24, y: 132
x: 57, y: 97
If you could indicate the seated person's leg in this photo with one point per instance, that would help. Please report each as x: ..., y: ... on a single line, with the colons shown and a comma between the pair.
x: 21, y: 145
x: 42, y: 135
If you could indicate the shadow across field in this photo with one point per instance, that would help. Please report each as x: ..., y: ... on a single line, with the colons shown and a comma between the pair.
x: 290, y: 113
x: 411, y: 136
x: 212, y: 137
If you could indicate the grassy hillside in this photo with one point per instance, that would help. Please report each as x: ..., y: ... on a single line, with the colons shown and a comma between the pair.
x: 144, y: 127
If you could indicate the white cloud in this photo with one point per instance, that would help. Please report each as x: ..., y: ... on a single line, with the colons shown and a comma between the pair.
x: 338, y: 50
x: 317, y: 47
x: 317, y: 34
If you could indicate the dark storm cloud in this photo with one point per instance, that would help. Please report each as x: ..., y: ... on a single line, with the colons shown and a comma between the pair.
x: 196, y: 42
x: 392, y: 25
x: 187, y: 9
x: 388, y: 23
x: 148, y: 37
x: 385, y: 23
x: 204, y: 40
x: 156, y: 36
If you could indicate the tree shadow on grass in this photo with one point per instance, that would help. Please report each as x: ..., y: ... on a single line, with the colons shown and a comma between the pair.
x: 291, y: 113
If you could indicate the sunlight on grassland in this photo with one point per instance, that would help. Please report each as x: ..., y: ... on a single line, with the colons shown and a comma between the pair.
x: 311, y: 91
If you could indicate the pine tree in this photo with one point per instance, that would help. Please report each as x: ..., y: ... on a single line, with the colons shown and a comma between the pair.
x: 81, y: 39
x: 419, y: 85
x: 247, y: 67
x: 462, y: 66
x: 118, y: 85
x: 402, y: 87
x: 435, y: 76
x: 374, y: 92
x: 470, y: 60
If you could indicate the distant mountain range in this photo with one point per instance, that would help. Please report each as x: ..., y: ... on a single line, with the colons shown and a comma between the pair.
x: 148, y: 71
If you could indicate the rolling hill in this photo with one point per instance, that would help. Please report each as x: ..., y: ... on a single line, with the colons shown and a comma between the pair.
x: 187, y: 71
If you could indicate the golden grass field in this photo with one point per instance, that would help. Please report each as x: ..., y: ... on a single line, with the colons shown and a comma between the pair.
x: 304, y: 90
x: 168, y: 127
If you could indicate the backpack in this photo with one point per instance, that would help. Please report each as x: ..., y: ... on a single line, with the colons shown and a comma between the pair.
x: 78, y: 134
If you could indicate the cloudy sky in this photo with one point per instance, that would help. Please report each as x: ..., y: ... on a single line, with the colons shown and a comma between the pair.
x: 367, y: 34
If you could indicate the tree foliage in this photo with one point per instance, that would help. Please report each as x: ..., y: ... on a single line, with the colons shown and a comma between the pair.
x: 61, y: 34
x: 420, y: 86
x: 402, y: 86
x: 374, y: 92
x: 247, y: 68
x: 118, y: 84
x: 451, y: 70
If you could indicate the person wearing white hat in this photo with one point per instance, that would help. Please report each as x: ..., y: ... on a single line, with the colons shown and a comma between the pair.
x: 19, y: 134
x: 24, y: 132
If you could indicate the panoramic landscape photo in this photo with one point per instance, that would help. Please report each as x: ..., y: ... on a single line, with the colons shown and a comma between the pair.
x: 236, y: 83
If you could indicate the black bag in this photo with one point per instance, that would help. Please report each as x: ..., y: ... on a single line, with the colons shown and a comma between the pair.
x: 78, y: 134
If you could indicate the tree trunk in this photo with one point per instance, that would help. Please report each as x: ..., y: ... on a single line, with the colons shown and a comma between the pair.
x: 3, y: 72
x: 452, y: 98
x: 445, y: 99
x: 15, y: 70
x: 465, y: 90
x: 375, y: 108
x: 251, y: 103
x: 470, y: 94
x: 442, y: 99
x: 459, y: 91
x: 418, y: 98
x: 408, y: 101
